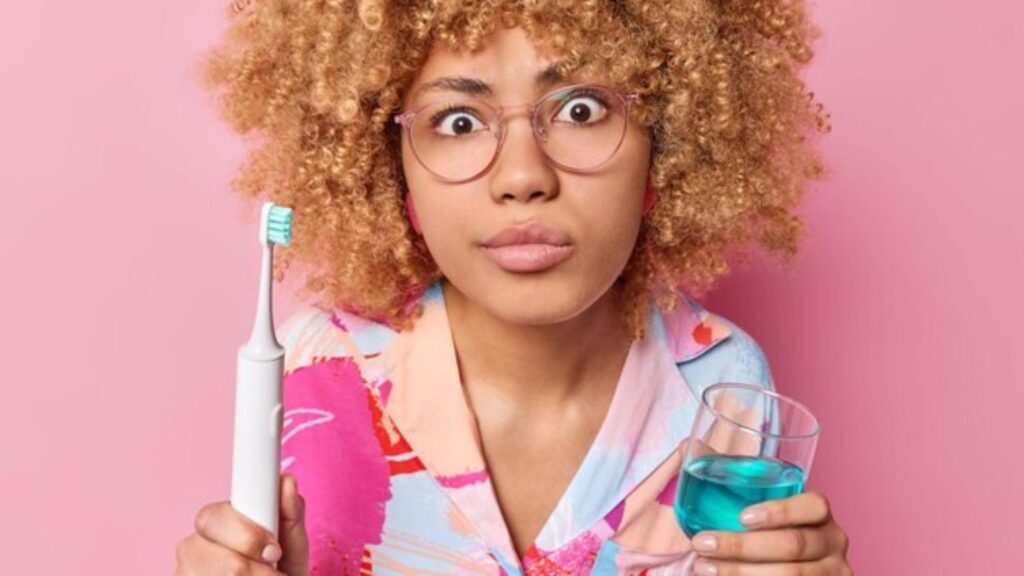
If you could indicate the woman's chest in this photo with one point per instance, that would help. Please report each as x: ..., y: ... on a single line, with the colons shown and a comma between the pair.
x: 531, y: 463
x: 376, y: 505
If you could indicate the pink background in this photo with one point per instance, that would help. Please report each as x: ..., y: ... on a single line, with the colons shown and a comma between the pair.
x: 128, y: 274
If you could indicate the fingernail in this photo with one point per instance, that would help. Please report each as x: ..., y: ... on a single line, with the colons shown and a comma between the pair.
x: 272, y: 553
x: 705, y: 543
x: 754, y: 517
x: 704, y: 568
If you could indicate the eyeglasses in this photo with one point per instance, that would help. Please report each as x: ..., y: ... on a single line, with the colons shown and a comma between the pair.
x: 579, y: 128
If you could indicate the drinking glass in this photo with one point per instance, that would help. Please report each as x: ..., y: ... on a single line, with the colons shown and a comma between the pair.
x: 748, y: 445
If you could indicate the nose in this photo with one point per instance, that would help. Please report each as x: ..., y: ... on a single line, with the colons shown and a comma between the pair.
x: 521, y: 172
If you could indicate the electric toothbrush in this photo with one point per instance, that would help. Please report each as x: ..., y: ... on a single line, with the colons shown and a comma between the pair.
x: 255, y: 466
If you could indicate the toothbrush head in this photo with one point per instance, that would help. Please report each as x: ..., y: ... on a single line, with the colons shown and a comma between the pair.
x: 276, y: 224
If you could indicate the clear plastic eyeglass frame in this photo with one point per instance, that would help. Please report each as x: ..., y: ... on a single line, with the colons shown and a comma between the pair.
x: 504, y: 113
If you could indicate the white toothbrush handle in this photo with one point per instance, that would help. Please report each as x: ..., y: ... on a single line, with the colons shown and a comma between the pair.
x: 256, y: 464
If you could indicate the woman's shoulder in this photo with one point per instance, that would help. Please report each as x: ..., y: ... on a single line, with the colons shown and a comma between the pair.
x: 704, y: 344
x: 710, y: 347
x: 311, y: 334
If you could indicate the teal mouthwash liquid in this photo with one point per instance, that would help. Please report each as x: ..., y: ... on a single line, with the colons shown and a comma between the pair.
x: 714, y: 490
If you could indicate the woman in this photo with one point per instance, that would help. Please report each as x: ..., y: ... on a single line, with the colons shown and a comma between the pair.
x: 504, y: 206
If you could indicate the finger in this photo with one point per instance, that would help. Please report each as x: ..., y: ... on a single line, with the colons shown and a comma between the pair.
x: 719, y: 438
x: 197, y: 555
x: 786, y: 545
x: 294, y: 539
x: 222, y: 524
x: 705, y: 567
x: 805, y: 509
x: 745, y: 442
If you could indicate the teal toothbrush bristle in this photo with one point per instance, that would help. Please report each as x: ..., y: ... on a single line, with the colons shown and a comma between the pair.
x: 279, y: 225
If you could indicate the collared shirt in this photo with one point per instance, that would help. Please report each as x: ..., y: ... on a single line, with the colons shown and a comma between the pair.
x: 385, y: 448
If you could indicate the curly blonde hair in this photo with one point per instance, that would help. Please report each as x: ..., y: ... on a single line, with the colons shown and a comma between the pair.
x: 318, y: 81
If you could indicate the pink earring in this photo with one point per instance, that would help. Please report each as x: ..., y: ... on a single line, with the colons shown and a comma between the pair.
x: 650, y: 197
x: 411, y: 211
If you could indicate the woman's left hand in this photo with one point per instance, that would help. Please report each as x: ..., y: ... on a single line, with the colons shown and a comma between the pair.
x: 792, y: 536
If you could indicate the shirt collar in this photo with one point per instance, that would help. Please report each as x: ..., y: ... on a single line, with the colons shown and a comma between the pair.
x: 651, y: 413
x: 690, y: 330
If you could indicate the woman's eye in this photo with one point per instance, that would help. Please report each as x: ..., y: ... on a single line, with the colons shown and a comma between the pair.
x: 582, y: 110
x: 457, y: 123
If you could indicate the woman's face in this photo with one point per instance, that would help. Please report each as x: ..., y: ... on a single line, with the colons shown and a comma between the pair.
x: 591, y: 220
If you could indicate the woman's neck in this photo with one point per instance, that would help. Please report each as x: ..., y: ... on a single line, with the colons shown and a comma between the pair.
x: 546, y: 365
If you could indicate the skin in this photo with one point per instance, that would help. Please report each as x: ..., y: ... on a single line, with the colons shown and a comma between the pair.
x: 539, y: 353
x: 226, y: 542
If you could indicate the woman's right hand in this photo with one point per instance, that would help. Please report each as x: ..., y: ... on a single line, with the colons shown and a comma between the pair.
x: 227, y: 543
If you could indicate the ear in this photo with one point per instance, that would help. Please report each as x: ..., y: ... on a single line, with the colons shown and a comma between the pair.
x: 650, y: 197
x: 410, y: 209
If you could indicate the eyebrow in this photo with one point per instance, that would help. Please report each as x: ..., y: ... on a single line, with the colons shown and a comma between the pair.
x: 476, y: 87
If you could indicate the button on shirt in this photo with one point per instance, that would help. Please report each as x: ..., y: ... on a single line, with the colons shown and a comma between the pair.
x: 379, y: 435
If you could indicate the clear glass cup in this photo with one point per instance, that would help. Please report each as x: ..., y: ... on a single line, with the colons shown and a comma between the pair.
x: 748, y: 445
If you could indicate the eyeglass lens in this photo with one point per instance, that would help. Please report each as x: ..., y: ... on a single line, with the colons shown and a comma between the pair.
x: 578, y: 128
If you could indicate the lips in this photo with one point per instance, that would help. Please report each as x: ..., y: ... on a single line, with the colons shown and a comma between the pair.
x: 535, y: 233
x: 532, y: 248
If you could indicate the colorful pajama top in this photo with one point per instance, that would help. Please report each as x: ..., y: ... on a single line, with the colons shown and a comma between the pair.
x: 378, y: 433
